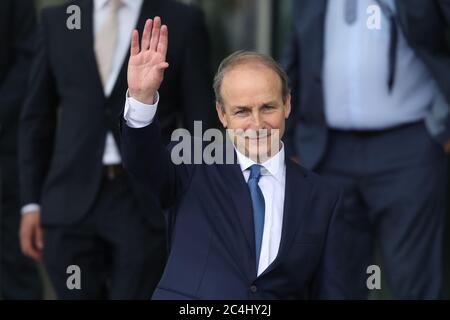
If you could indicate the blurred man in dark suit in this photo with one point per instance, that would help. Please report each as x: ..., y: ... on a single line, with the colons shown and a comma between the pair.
x: 371, y: 92
x: 93, y: 214
x: 19, y: 277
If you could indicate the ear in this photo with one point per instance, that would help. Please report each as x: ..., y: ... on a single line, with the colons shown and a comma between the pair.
x: 221, y: 114
x: 287, y: 107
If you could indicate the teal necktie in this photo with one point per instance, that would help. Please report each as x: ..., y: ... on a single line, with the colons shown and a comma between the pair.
x: 259, y: 207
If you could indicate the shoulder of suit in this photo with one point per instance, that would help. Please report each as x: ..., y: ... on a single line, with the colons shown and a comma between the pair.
x: 57, y: 11
x: 319, y: 183
x: 182, y: 11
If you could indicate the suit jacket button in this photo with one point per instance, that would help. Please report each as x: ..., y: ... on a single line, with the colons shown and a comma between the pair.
x: 254, y: 289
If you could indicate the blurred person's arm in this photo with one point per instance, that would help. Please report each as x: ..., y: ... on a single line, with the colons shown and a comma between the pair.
x: 12, y: 92
x: 291, y: 64
x: 445, y: 10
x: 197, y: 97
x: 36, y: 135
x: 143, y: 153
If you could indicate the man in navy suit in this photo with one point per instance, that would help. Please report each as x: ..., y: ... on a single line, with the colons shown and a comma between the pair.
x: 370, y: 114
x: 78, y: 205
x: 259, y: 228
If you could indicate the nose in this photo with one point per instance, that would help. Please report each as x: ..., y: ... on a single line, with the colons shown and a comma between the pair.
x: 257, y: 121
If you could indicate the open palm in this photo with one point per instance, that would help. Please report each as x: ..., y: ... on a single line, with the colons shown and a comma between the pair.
x: 147, y: 63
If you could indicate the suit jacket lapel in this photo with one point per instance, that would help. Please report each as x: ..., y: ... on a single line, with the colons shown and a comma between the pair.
x: 86, y: 42
x: 149, y: 10
x: 242, y: 215
x: 241, y: 200
x: 402, y: 13
x: 297, y: 194
x: 296, y: 200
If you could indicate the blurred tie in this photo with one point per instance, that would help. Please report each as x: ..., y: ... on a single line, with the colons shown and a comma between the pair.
x: 106, y: 40
x: 392, y: 54
x: 350, y: 11
x: 259, y: 208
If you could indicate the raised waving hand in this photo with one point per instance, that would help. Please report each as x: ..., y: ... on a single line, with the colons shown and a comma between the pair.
x: 148, y: 62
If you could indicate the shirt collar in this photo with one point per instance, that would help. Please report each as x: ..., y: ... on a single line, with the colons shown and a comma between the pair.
x: 99, y: 4
x: 273, y: 166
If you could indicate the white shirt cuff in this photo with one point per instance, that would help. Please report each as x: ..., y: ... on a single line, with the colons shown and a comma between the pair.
x: 30, y: 208
x: 138, y: 114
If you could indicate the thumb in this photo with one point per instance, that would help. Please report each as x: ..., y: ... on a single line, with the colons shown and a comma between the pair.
x: 39, y: 238
x: 162, y: 66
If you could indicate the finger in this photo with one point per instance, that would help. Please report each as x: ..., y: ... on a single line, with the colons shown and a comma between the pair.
x: 146, y: 34
x: 25, y: 239
x: 155, y: 34
x: 163, y: 41
x: 27, y: 245
x: 134, y: 43
x: 35, y: 254
x: 34, y: 250
x: 39, y: 238
x: 162, y: 66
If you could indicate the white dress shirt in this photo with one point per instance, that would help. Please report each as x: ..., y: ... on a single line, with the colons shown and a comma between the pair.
x: 271, y: 183
x: 356, y: 72
x: 128, y: 16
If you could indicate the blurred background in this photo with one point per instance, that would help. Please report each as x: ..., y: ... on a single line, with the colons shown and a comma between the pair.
x: 261, y: 25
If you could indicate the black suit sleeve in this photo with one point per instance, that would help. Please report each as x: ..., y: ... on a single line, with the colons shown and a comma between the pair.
x: 12, y: 91
x: 38, y: 121
x: 197, y: 97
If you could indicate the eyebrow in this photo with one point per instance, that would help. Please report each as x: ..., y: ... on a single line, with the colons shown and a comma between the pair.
x: 265, y: 104
x: 270, y: 103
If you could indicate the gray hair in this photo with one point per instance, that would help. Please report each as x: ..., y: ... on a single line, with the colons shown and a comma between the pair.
x: 241, y: 57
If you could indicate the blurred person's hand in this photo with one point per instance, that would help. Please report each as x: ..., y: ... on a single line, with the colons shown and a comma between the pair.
x: 31, y: 235
x: 147, y: 63
x: 296, y: 159
x: 447, y: 147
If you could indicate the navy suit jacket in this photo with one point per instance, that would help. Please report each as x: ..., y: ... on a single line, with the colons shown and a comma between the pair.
x: 211, y: 236
x: 424, y: 24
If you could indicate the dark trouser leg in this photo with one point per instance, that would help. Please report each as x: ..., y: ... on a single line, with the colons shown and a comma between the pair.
x: 341, y: 167
x: 138, y: 245
x: 76, y: 245
x: 406, y: 193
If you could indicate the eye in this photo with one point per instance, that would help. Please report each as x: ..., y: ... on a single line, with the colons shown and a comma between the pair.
x: 240, y: 112
x: 268, y: 107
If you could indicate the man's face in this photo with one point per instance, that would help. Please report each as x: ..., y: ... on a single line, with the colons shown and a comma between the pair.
x: 253, y: 108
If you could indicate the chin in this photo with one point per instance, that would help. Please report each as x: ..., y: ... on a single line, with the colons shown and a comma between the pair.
x: 259, y: 152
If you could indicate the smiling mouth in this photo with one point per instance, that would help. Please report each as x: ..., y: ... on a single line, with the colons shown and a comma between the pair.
x: 258, y: 138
